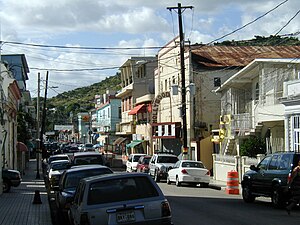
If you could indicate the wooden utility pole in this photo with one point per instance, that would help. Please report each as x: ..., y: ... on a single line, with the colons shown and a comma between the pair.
x: 38, y: 142
x: 43, y: 125
x: 182, y: 68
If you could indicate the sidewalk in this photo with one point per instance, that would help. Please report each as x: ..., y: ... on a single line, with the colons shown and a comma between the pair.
x: 17, y: 208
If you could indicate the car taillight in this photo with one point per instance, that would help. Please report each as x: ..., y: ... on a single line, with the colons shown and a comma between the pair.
x: 84, y: 219
x: 165, y: 209
x: 207, y: 173
x: 184, y: 171
x: 289, y: 179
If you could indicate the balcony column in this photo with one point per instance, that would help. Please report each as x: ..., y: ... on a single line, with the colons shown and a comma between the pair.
x: 287, y: 132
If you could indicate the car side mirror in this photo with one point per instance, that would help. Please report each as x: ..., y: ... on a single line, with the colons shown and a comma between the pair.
x: 253, y: 167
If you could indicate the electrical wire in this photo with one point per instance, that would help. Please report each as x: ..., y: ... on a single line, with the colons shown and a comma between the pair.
x: 249, y: 23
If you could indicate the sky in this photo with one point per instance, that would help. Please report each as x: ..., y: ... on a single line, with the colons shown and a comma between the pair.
x: 107, y: 28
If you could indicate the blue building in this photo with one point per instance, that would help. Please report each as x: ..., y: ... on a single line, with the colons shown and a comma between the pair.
x: 107, y: 115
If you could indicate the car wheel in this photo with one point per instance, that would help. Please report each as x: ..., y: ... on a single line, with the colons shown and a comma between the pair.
x: 168, y: 180
x: 178, y: 184
x: 277, y: 197
x: 6, y: 186
x: 247, y: 195
x: 156, y: 177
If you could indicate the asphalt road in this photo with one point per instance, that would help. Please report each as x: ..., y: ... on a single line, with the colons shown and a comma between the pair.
x: 197, y: 206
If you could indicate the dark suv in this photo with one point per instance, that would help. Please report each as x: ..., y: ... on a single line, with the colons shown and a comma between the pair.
x: 270, y: 178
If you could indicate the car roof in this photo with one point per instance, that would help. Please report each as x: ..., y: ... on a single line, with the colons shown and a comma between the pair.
x: 165, y: 154
x: 86, y: 153
x: 114, y: 176
x: 58, y: 155
x: 86, y: 167
x: 60, y: 161
x: 188, y: 160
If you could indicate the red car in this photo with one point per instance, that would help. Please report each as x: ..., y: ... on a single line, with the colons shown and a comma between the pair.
x: 143, y: 164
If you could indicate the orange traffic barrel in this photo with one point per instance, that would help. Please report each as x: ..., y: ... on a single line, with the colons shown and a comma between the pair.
x: 232, y: 186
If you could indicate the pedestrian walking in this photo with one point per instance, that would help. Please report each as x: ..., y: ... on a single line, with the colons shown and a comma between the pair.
x: 294, y: 188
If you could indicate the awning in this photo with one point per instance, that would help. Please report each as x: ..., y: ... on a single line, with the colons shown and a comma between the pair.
x: 136, y: 109
x: 134, y: 143
x: 119, y: 140
x: 21, y: 147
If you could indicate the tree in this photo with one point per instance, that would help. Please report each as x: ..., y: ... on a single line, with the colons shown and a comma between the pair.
x: 253, y: 146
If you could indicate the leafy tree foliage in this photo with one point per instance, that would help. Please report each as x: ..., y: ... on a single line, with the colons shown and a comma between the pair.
x: 253, y: 146
x: 63, y: 108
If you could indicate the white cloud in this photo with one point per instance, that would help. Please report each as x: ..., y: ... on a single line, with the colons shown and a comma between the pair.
x: 120, y: 23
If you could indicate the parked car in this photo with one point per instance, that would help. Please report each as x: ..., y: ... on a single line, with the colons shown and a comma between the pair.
x: 160, y: 164
x: 46, y: 162
x: 190, y: 172
x: 270, y: 178
x: 56, y: 168
x: 132, y: 162
x: 88, y: 147
x: 123, y: 198
x: 69, y: 181
x: 58, y: 157
x: 143, y: 164
x: 85, y: 158
x: 10, y: 178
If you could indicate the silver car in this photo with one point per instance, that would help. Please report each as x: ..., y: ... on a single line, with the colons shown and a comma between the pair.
x: 123, y: 198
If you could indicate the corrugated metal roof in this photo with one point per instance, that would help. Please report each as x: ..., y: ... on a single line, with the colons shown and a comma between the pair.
x: 224, y: 56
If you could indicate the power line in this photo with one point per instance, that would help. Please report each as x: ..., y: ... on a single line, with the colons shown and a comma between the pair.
x: 247, y: 24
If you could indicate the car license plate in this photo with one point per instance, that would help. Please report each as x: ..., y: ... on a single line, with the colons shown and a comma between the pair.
x: 125, y: 217
x: 197, y: 179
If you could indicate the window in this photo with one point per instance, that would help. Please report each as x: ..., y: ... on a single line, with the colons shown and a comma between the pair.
x: 296, y: 134
x: 284, y: 162
x: 273, y: 163
x: 256, y: 93
x: 117, y: 190
x: 264, y: 163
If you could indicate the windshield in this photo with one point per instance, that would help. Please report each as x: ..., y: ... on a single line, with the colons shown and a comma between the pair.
x: 84, y: 160
x: 167, y: 159
x: 60, y: 166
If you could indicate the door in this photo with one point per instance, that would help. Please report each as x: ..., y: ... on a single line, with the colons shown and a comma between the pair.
x: 259, y: 177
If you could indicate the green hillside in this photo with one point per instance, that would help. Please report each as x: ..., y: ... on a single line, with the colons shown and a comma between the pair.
x: 63, y: 108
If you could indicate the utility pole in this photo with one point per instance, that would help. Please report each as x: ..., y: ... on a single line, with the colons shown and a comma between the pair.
x: 38, y: 148
x: 44, y: 118
x: 182, y: 68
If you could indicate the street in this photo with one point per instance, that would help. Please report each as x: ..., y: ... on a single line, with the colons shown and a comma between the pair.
x: 197, y: 206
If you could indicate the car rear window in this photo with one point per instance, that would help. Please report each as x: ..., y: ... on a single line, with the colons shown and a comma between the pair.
x: 136, y: 158
x: 123, y: 189
x: 193, y: 164
x: 72, y: 179
x: 84, y: 160
x: 167, y: 159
